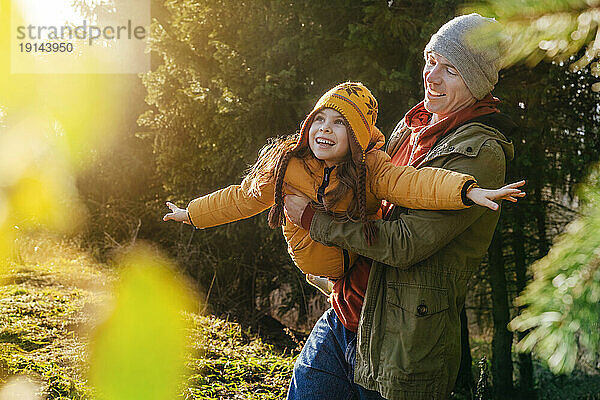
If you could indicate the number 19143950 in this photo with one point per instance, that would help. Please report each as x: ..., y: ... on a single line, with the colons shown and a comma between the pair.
x: 46, y: 47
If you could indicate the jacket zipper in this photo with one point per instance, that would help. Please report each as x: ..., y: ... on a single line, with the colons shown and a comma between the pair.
x: 324, y: 184
x: 320, y: 198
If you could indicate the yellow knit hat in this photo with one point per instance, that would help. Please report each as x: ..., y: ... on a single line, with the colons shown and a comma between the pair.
x: 358, y: 106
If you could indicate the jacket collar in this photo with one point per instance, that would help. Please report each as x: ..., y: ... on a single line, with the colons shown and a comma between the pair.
x: 466, y: 140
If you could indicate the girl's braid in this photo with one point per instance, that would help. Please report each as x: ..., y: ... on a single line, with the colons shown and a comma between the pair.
x: 369, y: 228
x: 276, y: 214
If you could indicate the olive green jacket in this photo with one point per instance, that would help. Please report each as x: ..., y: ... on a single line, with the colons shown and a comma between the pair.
x: 409, y: 331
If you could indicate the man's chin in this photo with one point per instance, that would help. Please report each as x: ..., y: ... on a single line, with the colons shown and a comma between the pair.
x: 428, y: 106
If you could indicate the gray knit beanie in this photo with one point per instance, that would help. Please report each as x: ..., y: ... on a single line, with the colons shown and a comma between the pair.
x: 472, y: 44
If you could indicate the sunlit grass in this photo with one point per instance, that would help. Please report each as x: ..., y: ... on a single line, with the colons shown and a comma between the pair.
x: 229, y: 363
x: 53, y: 300
x: 49, y: 301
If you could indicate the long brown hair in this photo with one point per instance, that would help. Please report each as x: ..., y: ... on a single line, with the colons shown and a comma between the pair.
x: 264, y: 169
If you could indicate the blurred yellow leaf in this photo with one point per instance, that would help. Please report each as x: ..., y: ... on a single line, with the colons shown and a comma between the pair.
x: 139, y: 351
x: 46, y: 198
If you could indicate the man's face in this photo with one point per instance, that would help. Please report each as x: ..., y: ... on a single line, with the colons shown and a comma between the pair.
x: 445, y: 90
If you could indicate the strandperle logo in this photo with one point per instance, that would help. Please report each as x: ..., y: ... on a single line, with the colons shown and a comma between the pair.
x: 84, y: 31
x: 57, y: 37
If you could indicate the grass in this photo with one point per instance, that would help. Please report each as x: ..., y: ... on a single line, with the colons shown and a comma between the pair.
x: 53, y: 297
x: 229, y: 363
x: 46, y: 314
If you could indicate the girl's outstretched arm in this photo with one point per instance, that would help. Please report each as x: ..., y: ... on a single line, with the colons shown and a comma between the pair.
x: 223, y: 206
x: 425, y: 188
x: 177, y: 214
x: 485, y: 197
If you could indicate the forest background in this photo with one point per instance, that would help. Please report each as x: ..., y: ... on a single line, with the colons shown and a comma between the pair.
x: 226, y: 76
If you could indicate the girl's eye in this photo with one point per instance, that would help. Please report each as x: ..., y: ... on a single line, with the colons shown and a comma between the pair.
x: 340, y: 121
x: 452, y: 71
x: 319, y: 118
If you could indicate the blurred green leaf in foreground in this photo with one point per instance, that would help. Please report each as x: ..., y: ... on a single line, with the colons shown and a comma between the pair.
x: 139, y: 351
x: 563, y: 301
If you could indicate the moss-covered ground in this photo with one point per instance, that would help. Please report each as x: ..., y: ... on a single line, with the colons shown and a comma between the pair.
x: 50, y: 304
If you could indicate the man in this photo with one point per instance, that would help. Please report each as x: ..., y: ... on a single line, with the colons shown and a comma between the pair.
x: 394, y: 329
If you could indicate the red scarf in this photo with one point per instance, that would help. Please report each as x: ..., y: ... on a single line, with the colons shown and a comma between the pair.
x: 423, y: 137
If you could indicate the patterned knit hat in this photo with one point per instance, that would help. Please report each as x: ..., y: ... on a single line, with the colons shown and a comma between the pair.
x: 359, y: 107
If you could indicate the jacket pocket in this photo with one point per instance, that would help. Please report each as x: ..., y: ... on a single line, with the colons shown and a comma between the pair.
x: 413, y: 348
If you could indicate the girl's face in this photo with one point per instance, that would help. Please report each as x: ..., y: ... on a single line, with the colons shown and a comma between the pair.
x: 328, y: 137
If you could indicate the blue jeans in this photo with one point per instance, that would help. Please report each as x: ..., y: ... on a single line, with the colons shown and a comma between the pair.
x: 325, y: 367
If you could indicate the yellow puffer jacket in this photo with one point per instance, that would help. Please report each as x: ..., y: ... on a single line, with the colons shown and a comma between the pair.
x: 425, y: 188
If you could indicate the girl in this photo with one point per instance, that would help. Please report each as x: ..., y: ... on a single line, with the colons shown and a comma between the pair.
x: 335, y: 160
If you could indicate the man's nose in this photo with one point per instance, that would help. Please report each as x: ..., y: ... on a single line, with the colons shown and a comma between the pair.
x: 433, y: 75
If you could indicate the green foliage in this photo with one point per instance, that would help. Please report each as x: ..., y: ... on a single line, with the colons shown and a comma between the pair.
x: 549, y: 29
x: 139, y: 351
x: 563, y: 301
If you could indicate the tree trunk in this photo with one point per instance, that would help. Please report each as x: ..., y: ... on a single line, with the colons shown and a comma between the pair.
x: 502, y: 368
x: 525, y: 365
x: 464, y: 381
x: 540, y: 216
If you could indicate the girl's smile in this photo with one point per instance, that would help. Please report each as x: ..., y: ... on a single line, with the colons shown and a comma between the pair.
x: 328, y: 137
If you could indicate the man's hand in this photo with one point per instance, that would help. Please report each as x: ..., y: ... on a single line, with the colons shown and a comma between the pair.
x: 294, y: 204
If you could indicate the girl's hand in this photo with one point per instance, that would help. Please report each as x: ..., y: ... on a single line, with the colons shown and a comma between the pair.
x: 484, y: 197
x: 178, y: 214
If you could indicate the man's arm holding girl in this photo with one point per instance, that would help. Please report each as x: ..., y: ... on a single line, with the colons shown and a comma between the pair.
x: 415, y: 236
